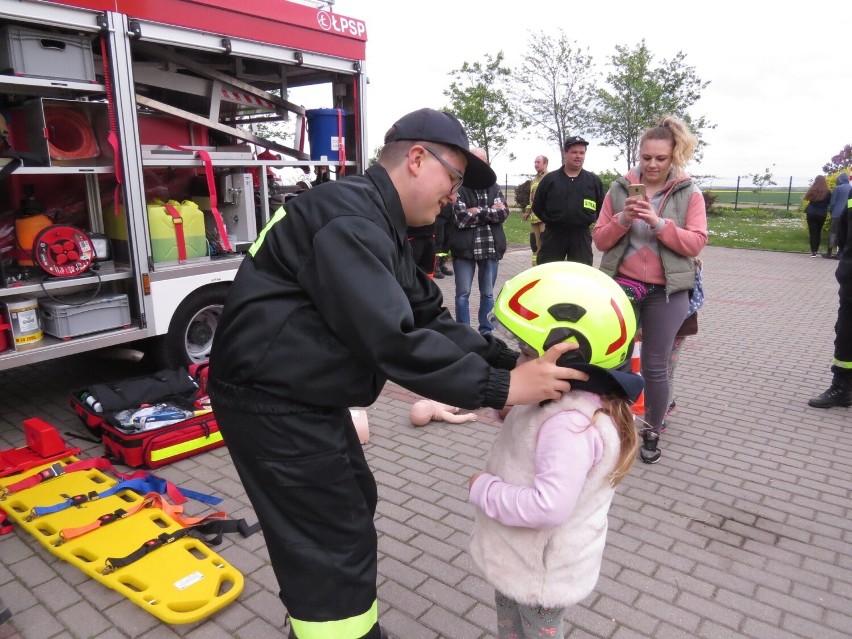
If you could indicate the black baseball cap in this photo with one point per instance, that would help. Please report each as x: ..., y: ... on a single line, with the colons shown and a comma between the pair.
x: 441, y: 127
x: 574, y: 139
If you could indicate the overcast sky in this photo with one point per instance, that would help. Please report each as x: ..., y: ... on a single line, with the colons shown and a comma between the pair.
x: 779, y: 92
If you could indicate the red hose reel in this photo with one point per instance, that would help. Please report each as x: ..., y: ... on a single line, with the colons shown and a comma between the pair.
x: 63, y: 250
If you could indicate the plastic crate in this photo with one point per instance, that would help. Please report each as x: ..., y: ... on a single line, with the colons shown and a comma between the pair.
x: 74, y: 317
x: 43, y: 54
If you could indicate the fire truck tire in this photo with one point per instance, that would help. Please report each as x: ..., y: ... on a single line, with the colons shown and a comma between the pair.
x: 191, y: 330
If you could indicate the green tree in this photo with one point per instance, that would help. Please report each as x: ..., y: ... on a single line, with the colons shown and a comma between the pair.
x: 761, y: 181
x: 478, y: 99
x: 640, y: 93
x: 554, y: 90
x: 842, y: 160
x: 374, y: 159
x: 522, y: 194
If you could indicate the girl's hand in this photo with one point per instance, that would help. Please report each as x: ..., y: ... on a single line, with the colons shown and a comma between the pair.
x: 473, y: 478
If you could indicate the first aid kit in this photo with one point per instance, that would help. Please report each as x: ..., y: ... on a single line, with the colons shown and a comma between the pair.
x: 151, y: 420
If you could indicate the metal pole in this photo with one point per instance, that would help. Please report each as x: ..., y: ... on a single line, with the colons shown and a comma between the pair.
x: 737, y: 194
x: 789, y: 192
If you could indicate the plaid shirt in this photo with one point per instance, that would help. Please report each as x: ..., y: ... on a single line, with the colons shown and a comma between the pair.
x: 481, y: 221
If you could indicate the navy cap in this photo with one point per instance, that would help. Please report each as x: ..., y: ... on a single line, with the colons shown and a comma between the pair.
x: 608, y: 380
x: 430, y: 125
x: 574, y: 139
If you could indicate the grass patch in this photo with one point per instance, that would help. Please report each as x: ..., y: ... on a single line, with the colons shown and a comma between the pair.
x: 764, y: 228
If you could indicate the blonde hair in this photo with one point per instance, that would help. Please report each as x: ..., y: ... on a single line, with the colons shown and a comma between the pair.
x: 677, y: 132
x: 617, y: 408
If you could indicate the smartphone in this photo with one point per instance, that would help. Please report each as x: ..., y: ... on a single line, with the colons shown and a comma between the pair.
x: 636, y: 190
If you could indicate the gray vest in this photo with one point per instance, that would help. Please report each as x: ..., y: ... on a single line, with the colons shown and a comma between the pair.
x: 679, y: 269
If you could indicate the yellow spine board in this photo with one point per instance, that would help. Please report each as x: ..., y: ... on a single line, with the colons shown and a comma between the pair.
x: 180, y: 582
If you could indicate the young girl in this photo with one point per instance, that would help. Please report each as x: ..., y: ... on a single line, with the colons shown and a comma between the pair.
x: 542, y: 504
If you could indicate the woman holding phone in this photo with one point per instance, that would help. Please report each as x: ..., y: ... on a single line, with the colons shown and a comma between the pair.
x: 652, y: 225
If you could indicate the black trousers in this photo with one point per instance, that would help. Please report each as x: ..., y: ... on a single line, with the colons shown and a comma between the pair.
x: 423, y: 247
x: 315, y: 497
x: 815, y: 224
x: 573, y: 244
x: 843, y: 328
x: 444, y: 226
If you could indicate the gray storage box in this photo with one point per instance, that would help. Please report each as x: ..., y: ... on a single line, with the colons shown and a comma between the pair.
x: 74, y: 316
x: 42, y: 54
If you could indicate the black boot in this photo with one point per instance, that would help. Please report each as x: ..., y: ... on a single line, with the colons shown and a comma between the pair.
x: 827, y: 254
x: 838, y: 394
x: 5, y: 613
x: 649, y: 453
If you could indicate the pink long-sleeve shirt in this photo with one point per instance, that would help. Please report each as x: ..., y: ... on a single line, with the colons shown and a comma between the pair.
x: 567, y: 447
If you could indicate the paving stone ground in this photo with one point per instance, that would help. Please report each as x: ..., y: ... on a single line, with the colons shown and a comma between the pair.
x: 742, y: 530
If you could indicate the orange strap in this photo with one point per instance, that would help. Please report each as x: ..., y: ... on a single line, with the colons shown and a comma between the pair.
x: 211, y: 187
x: 112, y: 137
x: 179, y: 236
x: 341, y: 143
x: 151, y: 500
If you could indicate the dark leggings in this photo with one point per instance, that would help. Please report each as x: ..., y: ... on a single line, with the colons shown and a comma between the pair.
x: 815, y: 224
x: 660, y: 318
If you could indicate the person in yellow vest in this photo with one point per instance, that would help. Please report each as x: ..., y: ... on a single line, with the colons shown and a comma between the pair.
x: 536, y: 225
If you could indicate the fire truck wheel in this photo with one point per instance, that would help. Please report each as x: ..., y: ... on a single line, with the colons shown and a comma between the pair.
x: 191, y: 330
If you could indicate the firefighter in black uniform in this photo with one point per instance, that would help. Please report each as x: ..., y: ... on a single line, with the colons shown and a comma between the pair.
x: 326, y: 307
x: 840, y: 391
x: 568, y: 201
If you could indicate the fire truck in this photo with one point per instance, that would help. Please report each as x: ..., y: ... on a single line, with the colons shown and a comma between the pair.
x: 133, y: 172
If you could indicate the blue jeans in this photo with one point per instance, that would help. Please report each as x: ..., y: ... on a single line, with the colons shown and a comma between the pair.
x: 464, y: 278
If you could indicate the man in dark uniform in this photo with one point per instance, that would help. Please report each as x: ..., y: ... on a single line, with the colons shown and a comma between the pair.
x: 326, y: 307
x: 422, y: 240
x: 568, y: 201
x: 444, y: 226
x: 840, y: 391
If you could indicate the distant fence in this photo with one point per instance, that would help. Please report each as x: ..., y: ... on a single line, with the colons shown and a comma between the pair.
x: 737, y: 192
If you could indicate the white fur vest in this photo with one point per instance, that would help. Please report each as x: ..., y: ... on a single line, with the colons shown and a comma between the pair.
x: 555, y: 567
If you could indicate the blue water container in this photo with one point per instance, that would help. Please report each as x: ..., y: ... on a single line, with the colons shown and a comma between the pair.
x: 326, y: 131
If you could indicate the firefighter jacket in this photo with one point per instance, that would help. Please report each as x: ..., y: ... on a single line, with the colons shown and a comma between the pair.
x: 563, y: 202
x: 328, y: 305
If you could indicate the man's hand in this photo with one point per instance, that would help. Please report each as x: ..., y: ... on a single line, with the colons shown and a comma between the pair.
x: 542, y: 378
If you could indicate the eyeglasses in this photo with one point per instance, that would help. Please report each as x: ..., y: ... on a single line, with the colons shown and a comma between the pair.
x: 457, y: 176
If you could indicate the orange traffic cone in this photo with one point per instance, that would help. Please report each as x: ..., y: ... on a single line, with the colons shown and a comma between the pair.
x: 639, y: 405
